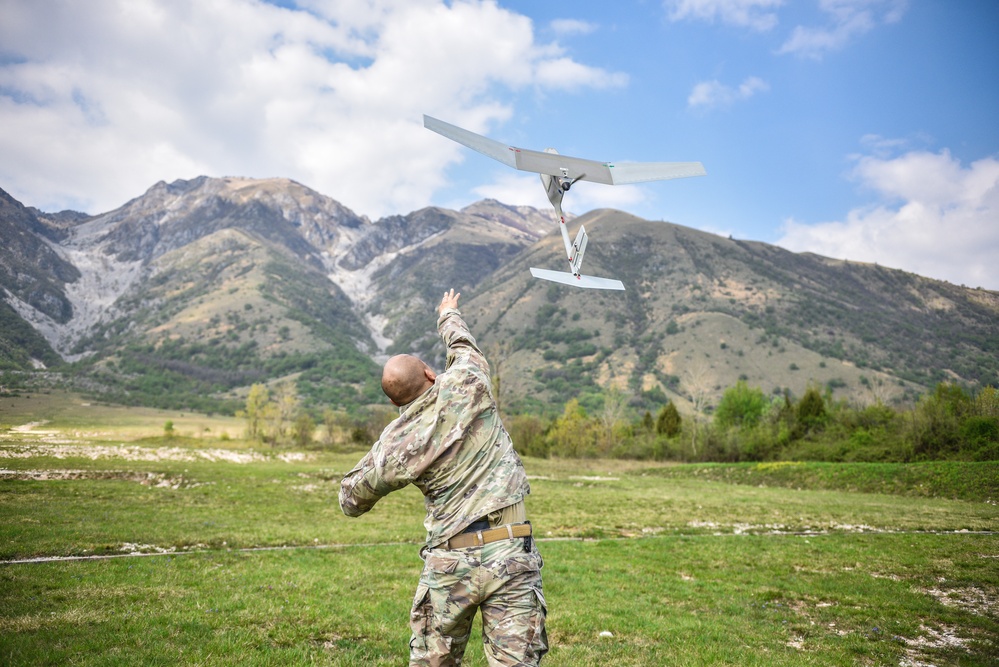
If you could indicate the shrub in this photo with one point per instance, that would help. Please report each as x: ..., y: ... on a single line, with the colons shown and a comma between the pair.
x: 937, y: 420
x: 741, y: 406
x: 528, y: 435
x: 980, y: 437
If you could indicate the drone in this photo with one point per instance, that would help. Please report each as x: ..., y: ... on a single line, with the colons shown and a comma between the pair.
x: 558, y: 174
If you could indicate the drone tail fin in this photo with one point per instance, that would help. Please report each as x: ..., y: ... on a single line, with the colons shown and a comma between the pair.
x: 590, y: 282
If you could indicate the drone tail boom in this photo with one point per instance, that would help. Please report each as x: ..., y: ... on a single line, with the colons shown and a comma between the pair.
x: 578, y: 247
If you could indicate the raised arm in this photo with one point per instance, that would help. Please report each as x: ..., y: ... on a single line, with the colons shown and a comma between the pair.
x: 454, y: 332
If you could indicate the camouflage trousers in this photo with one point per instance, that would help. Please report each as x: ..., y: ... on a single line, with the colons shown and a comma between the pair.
x: 500, y: 579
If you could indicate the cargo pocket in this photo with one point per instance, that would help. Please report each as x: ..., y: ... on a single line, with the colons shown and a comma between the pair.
x: 420, y: 618
x: 537, y: 636
x: 523, y: 563
x: 442, y: 563
x: 440, y: 571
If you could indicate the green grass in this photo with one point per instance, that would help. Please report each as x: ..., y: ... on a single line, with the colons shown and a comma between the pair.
x: 684, y: 565
x: 750, y: 600
x: 977, y: 481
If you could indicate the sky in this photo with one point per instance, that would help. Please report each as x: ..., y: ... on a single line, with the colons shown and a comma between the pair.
x: 865, y: 130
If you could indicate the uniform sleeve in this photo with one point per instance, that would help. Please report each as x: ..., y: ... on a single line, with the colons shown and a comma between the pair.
x: 373, y: 478
x: 459, y: 340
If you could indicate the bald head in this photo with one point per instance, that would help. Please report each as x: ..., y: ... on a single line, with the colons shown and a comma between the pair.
x: 405, y: 377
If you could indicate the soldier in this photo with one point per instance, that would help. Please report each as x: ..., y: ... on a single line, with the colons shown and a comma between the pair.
x: 479, y: 554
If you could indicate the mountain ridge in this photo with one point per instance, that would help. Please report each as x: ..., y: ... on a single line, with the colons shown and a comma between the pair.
x: 232, y: 279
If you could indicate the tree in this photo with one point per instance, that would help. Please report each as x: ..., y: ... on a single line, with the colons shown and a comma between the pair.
x: 647, y: 424
x: 256, y: 403
x: 497, y: 355
x: 571, y: 435
x: 879, y: 392
x: 614, y: 406
x: 287, y: 404
x: 528, y: 435
x: 668, y: 421
x: 303, y: 429
x: 937, y: 420
x: 741, y: 406
x: 987, y: 402
x: 695, y: 379
x: 812, y: 410
x: 336, y: 423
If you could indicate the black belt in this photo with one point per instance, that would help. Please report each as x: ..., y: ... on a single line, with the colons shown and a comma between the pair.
x: 477, y: 525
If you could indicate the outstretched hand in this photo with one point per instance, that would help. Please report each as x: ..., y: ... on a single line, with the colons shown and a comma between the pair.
x: 450, y: 300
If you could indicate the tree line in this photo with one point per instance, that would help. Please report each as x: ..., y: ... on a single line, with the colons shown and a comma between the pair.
x: 749, y: 425
x: 949, y: 422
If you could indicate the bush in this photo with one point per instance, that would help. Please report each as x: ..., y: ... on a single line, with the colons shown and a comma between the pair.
x: 741, y: 406
x: 937, y: 420
x: 528, y: 435
x: 980, y: 438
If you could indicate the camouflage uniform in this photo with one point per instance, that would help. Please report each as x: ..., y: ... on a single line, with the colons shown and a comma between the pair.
x: 450, y: 443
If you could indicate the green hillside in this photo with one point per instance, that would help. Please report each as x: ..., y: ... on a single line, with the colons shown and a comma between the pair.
x: 224, y: 312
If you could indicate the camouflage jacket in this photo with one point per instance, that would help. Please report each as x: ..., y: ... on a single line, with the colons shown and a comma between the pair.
x: 449, y: 442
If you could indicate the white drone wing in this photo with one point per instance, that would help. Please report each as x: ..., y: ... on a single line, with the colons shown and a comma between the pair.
x: 565, y: 166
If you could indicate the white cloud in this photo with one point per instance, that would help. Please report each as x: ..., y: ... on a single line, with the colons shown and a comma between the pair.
x: 934, y: 217
x: 519, y: 189
x: 573, y: 27
x: 846, y: 19
x: 516, y: 189
x: 710, y: 94
x: 588, y: 196
x: 756, y: 14
x: 100, y: 100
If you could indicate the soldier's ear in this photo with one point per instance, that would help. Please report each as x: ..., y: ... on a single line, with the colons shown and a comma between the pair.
x: 429, y: 374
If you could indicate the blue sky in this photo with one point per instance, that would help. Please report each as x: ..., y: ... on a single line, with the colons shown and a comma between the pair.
x: 857, y: 129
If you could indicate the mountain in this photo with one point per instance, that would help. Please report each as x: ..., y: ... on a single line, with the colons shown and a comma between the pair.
x: 191, y: 292
x: 199, y: 288
x: 702, y: 312
x: 33, y: 274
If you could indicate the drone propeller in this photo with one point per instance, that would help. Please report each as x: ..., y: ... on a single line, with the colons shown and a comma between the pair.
x: 568, y: 184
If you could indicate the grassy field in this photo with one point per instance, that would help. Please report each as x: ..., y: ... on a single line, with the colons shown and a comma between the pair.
x: 217, y: 553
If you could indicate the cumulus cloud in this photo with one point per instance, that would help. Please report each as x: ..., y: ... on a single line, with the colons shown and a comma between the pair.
x: 99, y: 100
x: 710, y: 94
x: 755, y: 14
x: 846, y: 19
x: 933, y: 216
